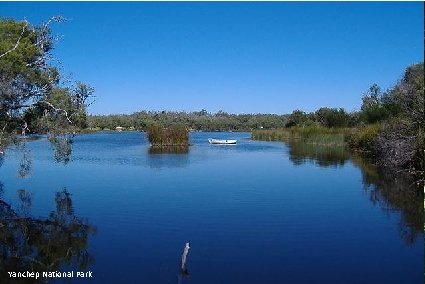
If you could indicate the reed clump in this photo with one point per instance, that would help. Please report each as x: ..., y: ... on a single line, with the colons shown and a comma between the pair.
x: 174, y: 135
x: 311, y: 135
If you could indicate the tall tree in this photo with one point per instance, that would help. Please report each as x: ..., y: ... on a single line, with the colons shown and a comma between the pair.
x: 29, y: 78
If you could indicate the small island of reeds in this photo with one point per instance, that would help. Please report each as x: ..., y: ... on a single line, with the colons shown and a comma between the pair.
x: 172, y: 136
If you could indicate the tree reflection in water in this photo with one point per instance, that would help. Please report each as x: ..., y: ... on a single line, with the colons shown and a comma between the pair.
x: 63, y: 148
x: 37, y: 244
x: 169, y: 150
x: 393, y: 191
x: 25, y: 164
x: 168, y: 157
x: 322, y: 155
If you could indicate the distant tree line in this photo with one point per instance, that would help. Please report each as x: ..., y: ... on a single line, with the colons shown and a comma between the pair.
x: 200, y: 120
x: 222, y: 121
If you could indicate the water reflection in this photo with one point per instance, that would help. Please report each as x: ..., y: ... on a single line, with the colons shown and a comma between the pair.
x: 168, y: 157
x: 323, y: 156
x: 25, y: 203
x: 43, y: 244
x: 25, y: 164
x: 63, y: 148
x: 394, y: 191
x: 391, y: 190
x: 169, y: 150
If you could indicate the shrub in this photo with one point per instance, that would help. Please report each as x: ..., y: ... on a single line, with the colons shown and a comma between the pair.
x: 332, y: 117
x: 175, y: 135
x: 396, y: 145
x: 363, y: 138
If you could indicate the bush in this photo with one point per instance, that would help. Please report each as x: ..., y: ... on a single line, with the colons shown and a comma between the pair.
x: 175, y: 135
x: 396, y: 145
x: 363, y: 138
x: 374, y: 114
x: 332, y: 117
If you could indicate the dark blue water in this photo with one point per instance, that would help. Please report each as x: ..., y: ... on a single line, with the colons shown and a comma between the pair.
x: 255, y: 212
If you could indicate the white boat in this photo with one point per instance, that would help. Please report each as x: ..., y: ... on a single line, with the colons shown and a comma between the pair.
x: 221, y: 141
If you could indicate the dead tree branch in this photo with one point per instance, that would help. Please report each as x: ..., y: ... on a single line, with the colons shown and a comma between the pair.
x: 184, y: 257
x: 57, y: 110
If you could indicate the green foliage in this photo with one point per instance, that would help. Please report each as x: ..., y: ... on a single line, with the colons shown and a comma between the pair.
x: 24, y: 72
x: 175, y: 135
x: 407, y: 97
x: 70, y: 115
x: 332, y: 117
x: 373, y: 108
x: 31, y: 96
x: 396, y: 139
x: 401, y: 142
x: 21, y: 61
x: 363, y: 138
x: 375, y: 114
x: 297, y: 118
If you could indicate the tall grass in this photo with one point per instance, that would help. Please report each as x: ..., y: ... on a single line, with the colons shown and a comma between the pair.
x: 175, y: 135
x: 310, y: 135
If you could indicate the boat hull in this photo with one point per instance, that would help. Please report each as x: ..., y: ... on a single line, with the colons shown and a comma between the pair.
x: 222, y: 141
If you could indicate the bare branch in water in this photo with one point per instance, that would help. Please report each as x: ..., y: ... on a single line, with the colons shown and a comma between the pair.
x: 184, y: 258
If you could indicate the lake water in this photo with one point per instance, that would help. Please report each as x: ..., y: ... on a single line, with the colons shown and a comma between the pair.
x: 255, y: 212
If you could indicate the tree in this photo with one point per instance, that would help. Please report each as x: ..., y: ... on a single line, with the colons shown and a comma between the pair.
x: 402, y: 141
x: 407, y: 97
x: 29, y: 79
x: 332, y: 117
x: 373, y: 107
x: 297, y: 118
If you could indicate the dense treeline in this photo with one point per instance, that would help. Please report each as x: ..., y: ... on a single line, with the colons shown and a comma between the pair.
x: 202, y: 120
x: 222, y: 121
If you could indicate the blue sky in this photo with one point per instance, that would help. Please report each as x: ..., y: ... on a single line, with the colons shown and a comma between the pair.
x: 239, y: 57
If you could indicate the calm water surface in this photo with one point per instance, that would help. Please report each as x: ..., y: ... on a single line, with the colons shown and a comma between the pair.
x: 255, y: 212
